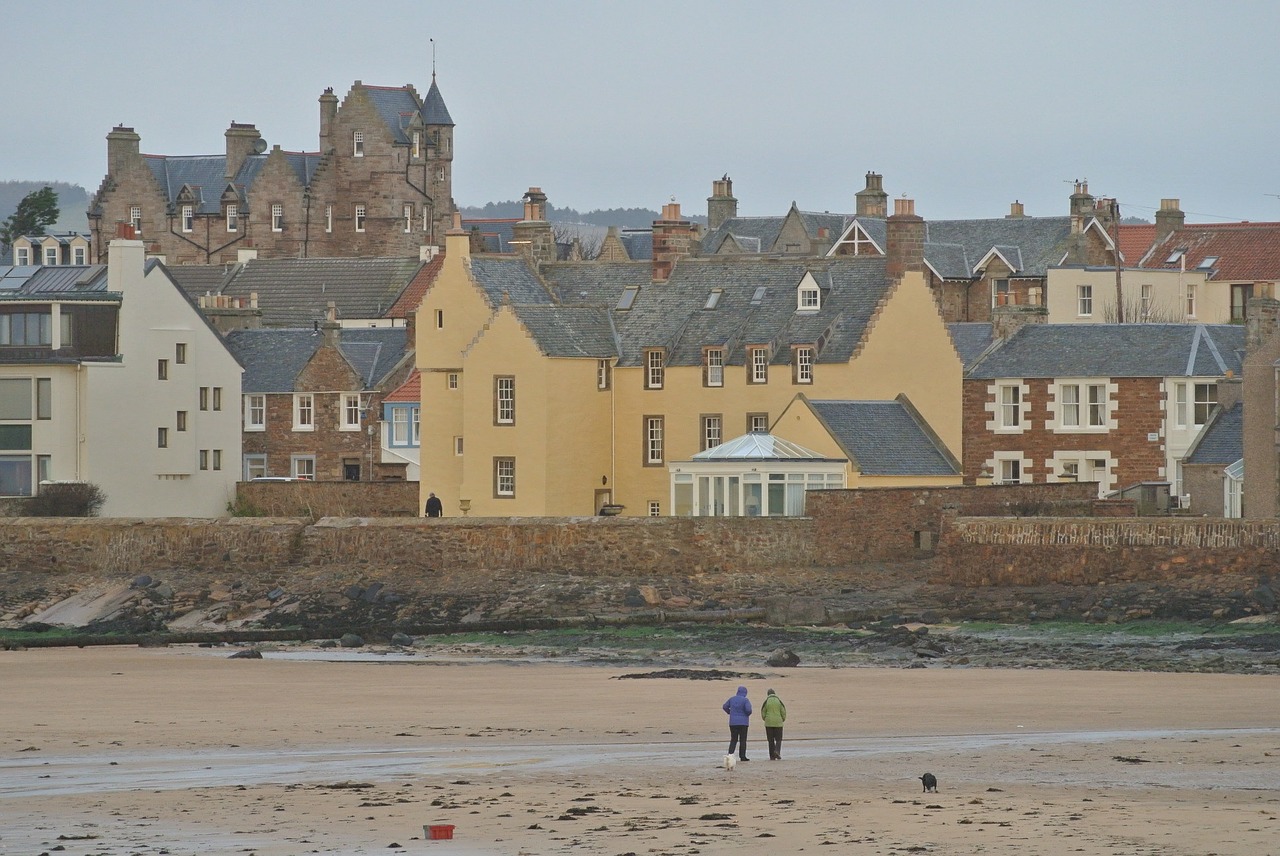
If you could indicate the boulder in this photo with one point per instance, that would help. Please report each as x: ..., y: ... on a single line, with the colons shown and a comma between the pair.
x: 246, y: 654
x: 403, y: 640
x: 351, y: 640
x: 783, y: 658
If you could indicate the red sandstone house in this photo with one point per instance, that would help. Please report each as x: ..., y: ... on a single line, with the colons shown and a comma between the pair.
x: 1116, y: 404
x: 312, y: 398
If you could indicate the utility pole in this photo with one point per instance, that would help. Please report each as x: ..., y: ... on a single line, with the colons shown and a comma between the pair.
x: 1115, y: 240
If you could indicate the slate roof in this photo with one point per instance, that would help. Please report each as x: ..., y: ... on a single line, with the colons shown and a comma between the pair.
x: 272, y: 358
x: 570, y: 331
x: 760, y: 234
x: 671, y: 315
x: 1246, y: 252
x: 1037, y: 242
x: 399, y: 105
x: 1115, y: 350
x: 199, y: 280
x: 970, y: 339
x: 496, y: 232
x: 206, y: 175
x: 296, y: 292
x: 503, y: 278
x: 596, y: 283
x: 62, y: 280
x: 1222, y: 440
x: 885, y: 438
x: 638, y: 243
x: 433, y: 110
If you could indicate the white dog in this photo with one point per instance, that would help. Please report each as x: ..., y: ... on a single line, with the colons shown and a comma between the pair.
x: 730, y: 762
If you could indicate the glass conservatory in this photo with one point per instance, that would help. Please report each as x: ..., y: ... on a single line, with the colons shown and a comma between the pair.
x: 755, y: 475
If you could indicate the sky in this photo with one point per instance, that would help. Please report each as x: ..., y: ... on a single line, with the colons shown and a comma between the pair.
x: 964, y: 107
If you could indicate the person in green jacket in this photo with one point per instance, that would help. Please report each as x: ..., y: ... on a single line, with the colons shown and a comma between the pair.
x: 774, y: 713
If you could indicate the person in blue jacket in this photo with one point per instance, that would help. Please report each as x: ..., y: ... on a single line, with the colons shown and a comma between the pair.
x: 739, y: 709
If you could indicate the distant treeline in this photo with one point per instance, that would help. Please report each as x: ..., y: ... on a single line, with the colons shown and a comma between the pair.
x: 627, y: 218
x: 73, y: 202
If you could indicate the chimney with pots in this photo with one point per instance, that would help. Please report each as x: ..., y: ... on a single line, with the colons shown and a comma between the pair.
x: 123, y: 149
x: 904, y: 239
x: 457, y: 241
x: 1015, y: 211
x: 1168, y: 219
x: 1081, y: 201
x: 242, y: 141
x: 872, y: 201
x: 328, y: 112
x: 1009, y: 318
x: 532, y: 236
x: 721, y: 204
x: 673, y: 239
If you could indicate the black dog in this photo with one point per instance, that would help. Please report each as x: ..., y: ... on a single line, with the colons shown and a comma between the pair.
x: 930, y: 782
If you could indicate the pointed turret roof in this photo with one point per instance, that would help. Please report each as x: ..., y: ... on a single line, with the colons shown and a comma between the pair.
x: 433, y: 110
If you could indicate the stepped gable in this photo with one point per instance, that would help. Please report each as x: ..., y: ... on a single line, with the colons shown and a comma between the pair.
x: 886, y: 438
x: 1115, y: 350
x: 971, y: 339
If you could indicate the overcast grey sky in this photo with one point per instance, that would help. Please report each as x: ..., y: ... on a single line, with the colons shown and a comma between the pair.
x: 964, y: 107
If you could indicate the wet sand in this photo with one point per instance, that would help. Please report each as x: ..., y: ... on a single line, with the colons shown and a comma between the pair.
x: 182, y: 751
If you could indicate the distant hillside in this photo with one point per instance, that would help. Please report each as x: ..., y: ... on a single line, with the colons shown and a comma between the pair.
x: 627, y: 218
x: 73, y: 202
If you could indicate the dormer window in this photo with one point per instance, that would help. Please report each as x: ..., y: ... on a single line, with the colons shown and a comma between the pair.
x: 233, y: 217
x: 357, y: 144
x: 713, y: 299
x: 50, y: 256
x: 808, y: 298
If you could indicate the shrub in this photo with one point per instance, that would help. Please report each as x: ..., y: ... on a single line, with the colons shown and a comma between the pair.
x: 69, y: 499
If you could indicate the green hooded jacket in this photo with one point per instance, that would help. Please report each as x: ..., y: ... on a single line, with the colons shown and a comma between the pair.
x: 773, y: 711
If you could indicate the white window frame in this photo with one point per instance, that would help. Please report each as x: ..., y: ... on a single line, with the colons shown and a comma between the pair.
x: 303, y: 467
x: 1144, y: 306
x: 1084, y: 301
x: 22, y: 256
x: 254, y: 466
x: 757, y: 422
x: 654, y: 368
x: 50, y: 256
x: 277, y: 217
x: 604, y: 371
x: 804, y: 365
x: 714, y: 360
x: 417, y: 144
x: 451, y: 380
x: 457, y: 446
x: 1097, y: 406
x: 808, y: 298
x: 255, y: 412
x: 357, y: 144
x: 408, y: 218
x: 349, y: 408
x: 654, y: 440
x: 759, y: 362
x: 401, y: 427
x: 328, y: 218
x: 655, y: 508
x: 712, y: 431
x: 233, y: 217
x: 79, y: 255
x: 188, y: 218
x: 1009, y: 407
x: 135, y: 219
x: 504, y: 392
x: 1191, y: 300
x: 304, y: 411
x: 1202, y: 405
x: 1000, y: 464
x: 1181, y: 400
x: 1081, y: 406
x: 361, y: 213
x: 504, y: 477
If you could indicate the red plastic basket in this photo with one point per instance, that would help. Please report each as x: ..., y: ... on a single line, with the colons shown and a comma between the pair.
x: 439, y: 832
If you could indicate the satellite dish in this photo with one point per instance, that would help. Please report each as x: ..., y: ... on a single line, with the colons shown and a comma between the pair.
x: 259, y: 146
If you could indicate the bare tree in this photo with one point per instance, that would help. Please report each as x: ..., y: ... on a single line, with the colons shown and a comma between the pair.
x: 1133, y: 314
x: 588, y: 238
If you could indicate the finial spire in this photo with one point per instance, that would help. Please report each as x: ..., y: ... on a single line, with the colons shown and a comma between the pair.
x: 433, y: 60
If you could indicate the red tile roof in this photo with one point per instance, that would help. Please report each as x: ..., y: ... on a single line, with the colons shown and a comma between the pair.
x: 410, y: 390
x: 1246, y: 252
x: 411, y: 298
x: 1135, y: 240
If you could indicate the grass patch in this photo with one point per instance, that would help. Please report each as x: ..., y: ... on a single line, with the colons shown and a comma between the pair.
x: 50, y: 633
x: 1147, y: 628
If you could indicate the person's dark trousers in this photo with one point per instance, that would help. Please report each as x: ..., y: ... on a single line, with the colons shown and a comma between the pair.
x: 738, y: 740
x: 774, y: 735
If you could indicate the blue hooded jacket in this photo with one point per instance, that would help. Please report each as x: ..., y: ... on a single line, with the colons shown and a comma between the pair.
x: 739, y: 708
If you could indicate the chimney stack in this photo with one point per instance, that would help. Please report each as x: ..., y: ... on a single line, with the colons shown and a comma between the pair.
x: 532, y: 235
x: 1009, y: 318
x: 1081, y: 201
x: 904, y: 239
x: 331, y: 328
x: 457, y: 241
x: 673, y: 239
x: 328, y: 112
x: 1015, y: 211
x: 872, y: 201
x: 1168, y: 219
x: 242, y: 141
x: 721, y: 204
x: 122, y: 149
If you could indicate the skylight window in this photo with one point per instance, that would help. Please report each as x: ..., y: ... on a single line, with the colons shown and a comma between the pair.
x: 713, y: 299
x: 1175, y: 256
x: 758, y: 297
x: 628, y: 297
x: 1207, y: 262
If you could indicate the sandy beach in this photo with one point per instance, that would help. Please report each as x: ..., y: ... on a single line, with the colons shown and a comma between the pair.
x: 183, y: 751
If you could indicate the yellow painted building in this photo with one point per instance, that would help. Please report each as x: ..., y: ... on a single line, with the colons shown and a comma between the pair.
x: 554, y: 390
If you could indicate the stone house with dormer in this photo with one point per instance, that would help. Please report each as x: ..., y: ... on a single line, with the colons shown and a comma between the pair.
x: 50, y: 249
x: 380, y: 184
x: 1116, y: 404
